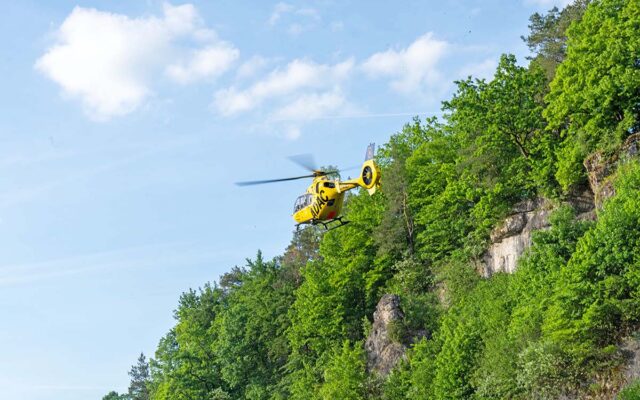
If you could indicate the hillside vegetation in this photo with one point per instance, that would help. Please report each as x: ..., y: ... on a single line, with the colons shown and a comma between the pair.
x: 293, y: 327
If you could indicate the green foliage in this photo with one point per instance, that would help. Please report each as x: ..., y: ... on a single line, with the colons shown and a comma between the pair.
x: 492, y: 153
x: 395, y: 235
x: 594, y: 97
x: 422, y: 369
x: 397, y: 331
x: 538, y: 274
x: 345, y: 376
x: 113, y: 395
x: 455, y: 361
x: 599, y: 296
x: 250, y: 345
x: 398, y: 383
x: 542, y: 371
x: 630, y: 392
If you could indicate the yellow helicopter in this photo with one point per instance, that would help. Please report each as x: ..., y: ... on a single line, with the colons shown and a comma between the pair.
x: 322, y: 202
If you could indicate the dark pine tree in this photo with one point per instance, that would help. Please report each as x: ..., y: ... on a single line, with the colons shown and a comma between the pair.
x: 138, y: 388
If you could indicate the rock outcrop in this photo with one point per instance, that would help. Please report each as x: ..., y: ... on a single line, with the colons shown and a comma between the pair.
x: 382, y: 351
x: 600, y: 167
x: 513, y: 236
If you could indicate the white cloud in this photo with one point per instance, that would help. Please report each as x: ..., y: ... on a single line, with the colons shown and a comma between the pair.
x: 307, y: 107
x: 209, y: 62
x: 290, y: 96
x: 295, y: 29
x: 296, y: 76
x: 412, y: 69
x: 106, y: 60
x: 278, y: 10
x: 292, y: 132
x: 311, y: 106
x: 301, y: 18
x: 251, y: 67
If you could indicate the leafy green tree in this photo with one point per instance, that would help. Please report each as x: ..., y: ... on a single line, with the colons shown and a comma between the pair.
x: 500, y: 124
x: 538, y: 274
x: 113, y: 395
x: 543, y: 371
x: 422, y: 369
x: 304, y: 247
x: 398, y: 382
x: 337, y: 292
x: 594, y: 97
x: 491, y: 153
x: 456, y: 360
x: 395, y: 235
x: 185, y: 365
x: 251, y: 347
x: 598, y: 298
x: 345, y: 375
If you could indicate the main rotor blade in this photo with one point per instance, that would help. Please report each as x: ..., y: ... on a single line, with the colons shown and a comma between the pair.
x: 306, y: 161
x: 249, y: 183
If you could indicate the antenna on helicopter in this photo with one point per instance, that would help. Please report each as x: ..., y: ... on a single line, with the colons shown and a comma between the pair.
x: 371, y: 149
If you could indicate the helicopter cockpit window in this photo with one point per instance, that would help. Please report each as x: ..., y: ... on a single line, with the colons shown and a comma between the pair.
x: 302, y: 202
x: 329, y: 185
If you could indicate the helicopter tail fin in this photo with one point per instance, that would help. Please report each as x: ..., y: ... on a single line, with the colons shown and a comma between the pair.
x: 369, y: 176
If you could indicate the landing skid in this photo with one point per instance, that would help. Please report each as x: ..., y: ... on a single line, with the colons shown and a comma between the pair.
x: 327, y: 224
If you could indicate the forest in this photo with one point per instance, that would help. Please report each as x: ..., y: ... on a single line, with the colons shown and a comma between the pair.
x: 294, y: 327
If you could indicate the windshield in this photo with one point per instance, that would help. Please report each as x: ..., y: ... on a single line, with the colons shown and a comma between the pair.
x: 302, y: 202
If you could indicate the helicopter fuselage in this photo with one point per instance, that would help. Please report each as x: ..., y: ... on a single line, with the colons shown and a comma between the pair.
x: 322, y: 201
x: 324, y: 198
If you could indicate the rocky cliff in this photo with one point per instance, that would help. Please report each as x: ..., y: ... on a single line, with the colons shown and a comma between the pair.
x: 510, y: 239
x: 382, y: 350
x: 513, y: 235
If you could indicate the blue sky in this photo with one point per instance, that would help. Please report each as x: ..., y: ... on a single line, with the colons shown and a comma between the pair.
x: 125, y: 124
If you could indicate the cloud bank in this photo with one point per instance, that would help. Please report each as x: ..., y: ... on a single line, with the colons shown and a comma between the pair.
x: 112, y: 63
x: 106, y: 60
x: 411, y: 69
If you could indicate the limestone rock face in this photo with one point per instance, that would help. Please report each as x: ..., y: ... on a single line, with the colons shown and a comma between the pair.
x: 383, y: 353
x: 600, y: 167
x: 513, y: 236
